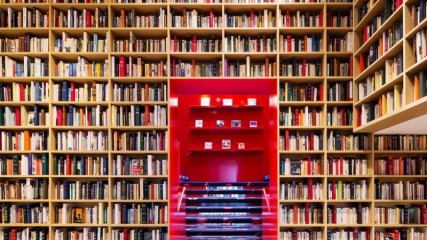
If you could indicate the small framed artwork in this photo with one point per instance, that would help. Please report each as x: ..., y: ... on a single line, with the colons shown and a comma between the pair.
x: 241, y: 145
x: 227, y: 102
x: 253, y: 124
x: 77, y: 215
x: 236, y: 123
x: 220, y: 123
x: 198, y: 123
x: 226, y: 144
x: 136, y: 167
x: 208, y: 145
x: 251, y: 101
x: 205, y: 101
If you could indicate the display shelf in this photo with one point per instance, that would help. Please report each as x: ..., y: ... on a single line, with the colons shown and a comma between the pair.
x: 383, y: 89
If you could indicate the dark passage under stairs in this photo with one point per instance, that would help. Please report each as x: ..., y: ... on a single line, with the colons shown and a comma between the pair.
x: 223, y: 210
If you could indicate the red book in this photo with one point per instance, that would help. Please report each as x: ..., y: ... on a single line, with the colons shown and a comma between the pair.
x: 295, y: 220
x: 173, y: 68
x: 13, y: 234
x: 175, y: 43
x: 343, y: 122
x: 88, y: 19
x: 310, y: 189
x: 286, y: 139
x: 334, y: 214
x: 321, y: 19
x: 18, y: 116
x: 288, y: 19
x: 252, y: 19
x: 211, y: 18
x: 289, y: 42
x: 365, y: 33
x: 307, y: 213
x: 125, y: 234
x: 147, y: 115
x: 296, y: 117
x: 341, y: 166
x: 311, y: 146
x: 304, y: 66
x: 194, y: 44
x: 73, y: 92
x: 361, y: 63
x: 21, y: 92
x: 389, y: 165
x: 334, y: 193
x: 309, y: 166
x: 358, y: 117
x: 122, y: 66
x: 68, y: 164
x: 59, y: 116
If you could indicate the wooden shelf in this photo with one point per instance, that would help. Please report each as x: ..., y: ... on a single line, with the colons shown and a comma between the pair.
x: 301, y: 103
x: 314, y: 6
x: 300, y: 152
x: 301, y: 30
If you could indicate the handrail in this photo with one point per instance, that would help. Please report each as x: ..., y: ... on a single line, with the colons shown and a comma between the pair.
x: 267, y: 199
x: 180, y: 198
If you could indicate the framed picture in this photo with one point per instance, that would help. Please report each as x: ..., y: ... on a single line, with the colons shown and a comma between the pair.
x: 205, y: 101
x: 198, y: 123
x: 220, y: 123
x: 136, y: 167
x: 251, y: 101
x: 253, y: 124
x: 241, y: 145
x: 208, y: 145
x: 226, y: 144
x: 296, y: 168
x: 77, y: 214
x: 236, y: 123
x: 227, y: 102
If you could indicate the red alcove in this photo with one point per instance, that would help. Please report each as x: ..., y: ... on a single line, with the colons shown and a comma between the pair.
x: 189, y: 155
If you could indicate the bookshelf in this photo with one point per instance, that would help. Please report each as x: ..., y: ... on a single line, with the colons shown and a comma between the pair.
x: 84, y: 104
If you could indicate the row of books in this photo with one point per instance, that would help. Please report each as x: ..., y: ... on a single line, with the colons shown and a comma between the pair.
x: 347, y: 190
x: 80, y: 116
x: 80, y: 18
x: 301, y: 92
x: 33, y: 91
x: 301, y: 234
x: 418, y: 12
x: 24, y: 164
x: 99, y: 233
x: 300, y: 19
x: 147, y: 165
x: 130, y: 190
x: 420, y: 85
x: 23, y: 141
x: 27, y: 189
x: 29, y: 67
x: 347, y: 142
x: 340, y: 18
x: 339, y: 116
x: 306, y: 166
x: 347, y: 167
x: 137, y: 67
x: 402, y: 233
x: 27, y: 18
x: 26, y: 43
x: 311, y: 43
x: 81, y: 141
x: 261, y: 19
x: 386, y: 104
x: 340, y: 44
x: 137, y: 141
x: 400, y: 166
x: 300, y: 117
x: 307, y: 214
x: 348, y: 215
x: 250, y: 69
x: 300, y: 141
x: 67, y: 213
x: 141, y: 213
x: 400, y: 190
x: 301, y: 191
x: 372, y: 83
x: 340, y: 67
x: 249, y: 44
x: 26, y: 234
x: 194, y: 44
x: 78, y: 190
x: 80, y: 92
x: 26, y: 213
x: 131, y: 19
x: 139, y: 234
x: 80, y: 165
x: 301, y: 68
x: 134, y: 44
x: 415, y: 214
x: 85, y: 43
x: 181, y: 68
x: 400, y: 142
x: 24, y: 116
x: 140, y: 92
x: 196, y: 19
x: 138, y: 115
x: 81, y: 68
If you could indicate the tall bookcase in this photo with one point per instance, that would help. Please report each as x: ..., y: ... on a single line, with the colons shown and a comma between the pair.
x: 84, y: 107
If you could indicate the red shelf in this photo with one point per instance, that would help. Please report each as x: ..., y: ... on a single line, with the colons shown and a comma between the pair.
x: 226, y: 129
x: 246, y: 150
x: 224, y: 107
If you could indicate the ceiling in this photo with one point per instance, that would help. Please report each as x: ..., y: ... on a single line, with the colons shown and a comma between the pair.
x: 416, y: 125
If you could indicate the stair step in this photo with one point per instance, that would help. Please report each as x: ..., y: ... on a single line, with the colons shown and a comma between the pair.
x: 242, y: 237
x: 231, y: 231
x: 243, y: 184
x: 223, y: 209
x: 231, y: 219
x: 224, y: 200
x: 223, y: 191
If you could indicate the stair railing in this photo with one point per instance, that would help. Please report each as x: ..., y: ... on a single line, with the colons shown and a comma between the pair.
x: 267, y: 198
x: 181, y: 197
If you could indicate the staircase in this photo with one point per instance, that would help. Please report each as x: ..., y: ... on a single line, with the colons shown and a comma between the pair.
x: 221, y: 210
